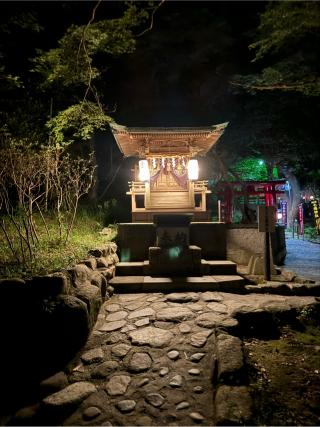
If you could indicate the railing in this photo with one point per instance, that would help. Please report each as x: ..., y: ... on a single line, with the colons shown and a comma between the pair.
x: 200, y: 186
x: 137, y: 186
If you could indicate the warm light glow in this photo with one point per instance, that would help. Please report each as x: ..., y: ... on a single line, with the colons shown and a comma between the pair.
x: 144, y: 173
x: 193, y: 169
x: 279, y: 215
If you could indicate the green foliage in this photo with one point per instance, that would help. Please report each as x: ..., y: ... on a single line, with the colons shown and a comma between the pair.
x: 72, y: 63
x: 52, y: 253
x: 22, y: 20
x: 283, y: 24
x: 77, y: 122
x: 250, y: 169
x: 286, y: 37
x: 310, y: 232
x: 108, y: 211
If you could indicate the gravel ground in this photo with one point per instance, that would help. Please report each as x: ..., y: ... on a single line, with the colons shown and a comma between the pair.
x: 303, y: 258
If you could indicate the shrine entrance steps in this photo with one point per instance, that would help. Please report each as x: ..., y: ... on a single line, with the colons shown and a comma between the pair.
x: 217, y: 276
x: 207, y: 268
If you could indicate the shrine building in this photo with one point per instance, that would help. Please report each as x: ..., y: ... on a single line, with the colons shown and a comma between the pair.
x: 165, y: 179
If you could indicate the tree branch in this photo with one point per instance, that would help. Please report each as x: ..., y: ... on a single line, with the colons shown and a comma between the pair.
x: 151, y: 20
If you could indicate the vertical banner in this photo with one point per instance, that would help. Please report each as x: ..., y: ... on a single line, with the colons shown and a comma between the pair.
x: 284, y: 212
x: 315, y: 210
x: 300, y: 218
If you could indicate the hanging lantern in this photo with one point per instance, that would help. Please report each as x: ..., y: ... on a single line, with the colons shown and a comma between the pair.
x: 193, y: 169
x: 144, y: 173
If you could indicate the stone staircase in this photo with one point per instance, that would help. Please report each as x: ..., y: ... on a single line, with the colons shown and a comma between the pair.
x: 141, y: 268
x: 216, y: 276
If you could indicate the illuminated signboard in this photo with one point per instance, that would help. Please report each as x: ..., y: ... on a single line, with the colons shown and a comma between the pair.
x: 284, y: 211
x: 300, y: 218
x: 315, y: 209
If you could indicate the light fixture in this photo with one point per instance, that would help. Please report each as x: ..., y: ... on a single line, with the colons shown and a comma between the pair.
x: 144, y: 173
x: 193, y: 169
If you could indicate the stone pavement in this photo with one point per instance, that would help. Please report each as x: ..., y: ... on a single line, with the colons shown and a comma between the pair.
x: 303, y: 258
x: 162, y: 359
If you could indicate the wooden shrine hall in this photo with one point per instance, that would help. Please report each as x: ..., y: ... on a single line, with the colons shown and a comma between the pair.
x: 165, y: 178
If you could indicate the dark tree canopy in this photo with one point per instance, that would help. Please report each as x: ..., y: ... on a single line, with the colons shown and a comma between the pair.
x: 82, y: 64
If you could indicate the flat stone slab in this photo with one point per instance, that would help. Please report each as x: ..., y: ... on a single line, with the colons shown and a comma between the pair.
x: 200, y: 338
x: 183, y: 297
x: 140, y: 362
x: 130, y: 297
x: 112, y: 307
x: 120, y: 350
x: 218, y: 307
x: 145, y: 312
x: 117, y: 315
x: 104, y: 369
x: 175, y: 314
x: 154, y: 337
x: 93, y: 356
x: 212, y: 320
x: 211, y: 296
x: 117, y: 385
x: 142, y: 322
x: 112, y: 326
x: 74, y: 394
x: 230, y: 357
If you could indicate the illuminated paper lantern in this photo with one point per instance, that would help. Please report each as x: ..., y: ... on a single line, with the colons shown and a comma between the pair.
x: 193, y: 169
x: 144, y: 172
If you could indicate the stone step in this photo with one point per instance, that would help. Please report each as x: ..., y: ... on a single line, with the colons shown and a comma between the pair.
x: 222, y: 283
x: 140, y: 268
x: 218, y: 267
x: 130, y: 268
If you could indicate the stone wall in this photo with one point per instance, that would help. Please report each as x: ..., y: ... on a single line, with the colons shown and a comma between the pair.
x: 210, y: 237
x: 134, y: 240
x: 245, y: 246
x: 47, y: 319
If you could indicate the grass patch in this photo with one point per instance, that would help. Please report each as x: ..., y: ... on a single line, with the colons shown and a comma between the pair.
x: 52, y: 254
x: 284, y: 376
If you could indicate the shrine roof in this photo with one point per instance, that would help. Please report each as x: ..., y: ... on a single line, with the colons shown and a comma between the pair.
x: 141, y: 141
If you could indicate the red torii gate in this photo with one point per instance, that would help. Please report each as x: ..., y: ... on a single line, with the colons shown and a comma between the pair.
x: 226, y: 191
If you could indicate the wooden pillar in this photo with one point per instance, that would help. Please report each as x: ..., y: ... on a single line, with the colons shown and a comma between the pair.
x: 203, y: 200
x: 147, y: 200
x: 133, y: 202
x: 191, y: 194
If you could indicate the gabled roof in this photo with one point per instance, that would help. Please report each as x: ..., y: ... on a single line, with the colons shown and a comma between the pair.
x: 141, y: 141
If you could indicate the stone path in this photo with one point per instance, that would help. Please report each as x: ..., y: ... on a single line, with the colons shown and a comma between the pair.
x: 303, y: 258
x: 154, y: 359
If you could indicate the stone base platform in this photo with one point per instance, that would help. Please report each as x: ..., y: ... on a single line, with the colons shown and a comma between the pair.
x: 141, y: 268
x: 222, y: 283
